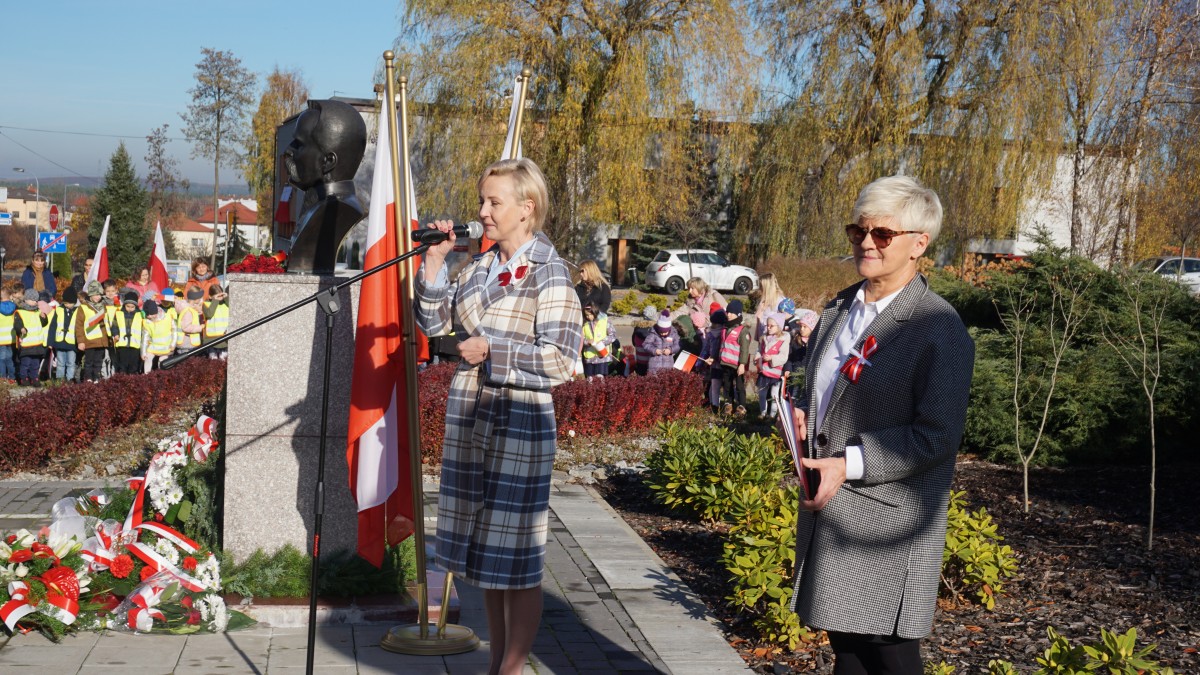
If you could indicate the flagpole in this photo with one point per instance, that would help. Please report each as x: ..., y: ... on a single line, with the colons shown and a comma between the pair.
x: 413, y: 639
x: 516, y: 144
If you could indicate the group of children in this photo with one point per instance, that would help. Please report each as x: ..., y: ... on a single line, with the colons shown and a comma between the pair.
x: 726, y: 347
x: 105, y: 331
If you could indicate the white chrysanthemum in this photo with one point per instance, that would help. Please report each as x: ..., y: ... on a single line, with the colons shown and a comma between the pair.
x: 208, y: 572
x: 220, y: 615
x: 166, y: 549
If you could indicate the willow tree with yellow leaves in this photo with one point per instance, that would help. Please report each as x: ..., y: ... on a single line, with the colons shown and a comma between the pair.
x: 942, y: 90
x: 284, y: 95
x: 613, y: 84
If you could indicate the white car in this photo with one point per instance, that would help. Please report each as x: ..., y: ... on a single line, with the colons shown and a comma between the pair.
x: 1169, y: 267
x: 671, y: 269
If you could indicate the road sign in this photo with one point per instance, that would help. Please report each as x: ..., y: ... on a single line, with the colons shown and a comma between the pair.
x: 54, y: 216
x: 52, y: 242
x: 5, y: 219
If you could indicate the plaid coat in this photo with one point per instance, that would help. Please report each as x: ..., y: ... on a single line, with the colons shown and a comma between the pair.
x: 500, y: 430
x: 870, y: 561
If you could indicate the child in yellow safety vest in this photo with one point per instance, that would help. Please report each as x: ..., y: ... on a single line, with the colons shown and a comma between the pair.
x: 62, y: 334
x: 191, y: 320
x: 91, y: 332
x: 8, y: 317
x: 598, y: 337
x: 112, y: 305
x: 126, y: 328
x: 158, y: 336
x: 216, y: 320
x: 30, y: 327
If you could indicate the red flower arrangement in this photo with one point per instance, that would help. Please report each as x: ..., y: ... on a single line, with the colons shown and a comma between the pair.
x: 147, y: 572
x: 261, y: 264
x: 121, y: 566
x: 189, y: 564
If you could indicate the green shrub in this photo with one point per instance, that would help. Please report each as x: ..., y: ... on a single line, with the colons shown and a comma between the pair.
x: 1114, y: 654
x: 974, y: 560
x: 286, y: 573
x: 624, y: 306
x: 700, y: 469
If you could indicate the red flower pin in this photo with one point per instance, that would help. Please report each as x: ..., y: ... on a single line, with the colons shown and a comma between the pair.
x: 506, y: 277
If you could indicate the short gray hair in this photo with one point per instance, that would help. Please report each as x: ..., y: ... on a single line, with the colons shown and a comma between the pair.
x: 912, y: 205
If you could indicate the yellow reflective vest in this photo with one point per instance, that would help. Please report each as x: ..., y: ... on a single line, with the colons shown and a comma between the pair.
x: 159, y: 336
x: 189, y: 340
x: 219, y: 323
x: 64, y: 325
x: 6, y: 329
x: 35, y: 330
x: 93, y: 329
x: 131, y: 337
x: 591, y: 335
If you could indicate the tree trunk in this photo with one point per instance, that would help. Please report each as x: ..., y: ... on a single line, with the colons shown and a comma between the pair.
x: 1153, y: 479
x: 1078, y: 169
x: 1129, y: 198
x: 212, y: 254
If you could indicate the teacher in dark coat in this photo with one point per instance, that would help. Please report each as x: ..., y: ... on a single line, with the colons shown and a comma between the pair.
x: 37, y: 277
x: 883, y: 412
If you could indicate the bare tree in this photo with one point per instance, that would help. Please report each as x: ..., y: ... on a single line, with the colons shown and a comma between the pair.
x: 162, y: 176
x: 215, y: 119
x: 1136, y: 335
x: 1036, y: 369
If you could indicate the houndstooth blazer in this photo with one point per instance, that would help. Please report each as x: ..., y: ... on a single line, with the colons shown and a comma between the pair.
x: 870, y: 561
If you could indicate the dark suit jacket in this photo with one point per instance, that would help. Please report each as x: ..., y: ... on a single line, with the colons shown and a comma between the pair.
x: 870, y: 561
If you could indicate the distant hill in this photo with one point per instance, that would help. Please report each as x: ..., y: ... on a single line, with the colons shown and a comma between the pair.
x: 53, y: 185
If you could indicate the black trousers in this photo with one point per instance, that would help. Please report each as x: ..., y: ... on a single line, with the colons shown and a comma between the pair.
x: 93, y: 363
x: 129, y: 360
x: 856, y: 654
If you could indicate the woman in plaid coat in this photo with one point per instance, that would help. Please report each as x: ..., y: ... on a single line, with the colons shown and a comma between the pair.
x: 518, y: 306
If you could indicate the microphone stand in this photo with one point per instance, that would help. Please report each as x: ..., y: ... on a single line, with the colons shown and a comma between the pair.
x: 328, y: 300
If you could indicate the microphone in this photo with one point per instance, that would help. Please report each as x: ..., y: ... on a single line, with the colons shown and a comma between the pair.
x: 433, y: 237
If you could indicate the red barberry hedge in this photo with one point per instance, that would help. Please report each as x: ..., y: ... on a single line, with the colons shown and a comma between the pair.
x: 51, y: 423
x: 589, y: 408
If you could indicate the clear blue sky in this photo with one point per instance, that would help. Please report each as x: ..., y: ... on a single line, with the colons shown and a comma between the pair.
x: 124, y: 67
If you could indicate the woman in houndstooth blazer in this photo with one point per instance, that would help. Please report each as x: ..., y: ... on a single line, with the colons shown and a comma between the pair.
x: 517, y: 304
x: 883, y: 413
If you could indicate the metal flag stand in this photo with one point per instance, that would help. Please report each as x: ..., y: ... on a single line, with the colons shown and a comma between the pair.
x: 414, y: 638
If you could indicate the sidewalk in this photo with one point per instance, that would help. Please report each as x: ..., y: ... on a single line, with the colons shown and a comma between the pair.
x: 611, y: 606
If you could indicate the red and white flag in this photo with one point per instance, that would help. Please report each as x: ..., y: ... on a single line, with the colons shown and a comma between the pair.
x: 378, y: 435
x: 685, y: 361
x: 158, y: 260
x: 99, y: 270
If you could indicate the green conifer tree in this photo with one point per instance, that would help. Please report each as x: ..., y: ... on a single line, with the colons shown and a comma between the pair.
x: 123, y: 198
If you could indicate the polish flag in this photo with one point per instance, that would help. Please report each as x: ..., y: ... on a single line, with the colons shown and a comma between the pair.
x: 158, y: 260
x: 512, y: 145
x: 685, y: 361
x: 378, y: 435
x: 99, y: 270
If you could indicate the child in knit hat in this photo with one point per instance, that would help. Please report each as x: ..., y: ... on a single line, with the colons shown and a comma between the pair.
x: 8, y: 338
x: 191, y: 320
x: 662, y: 344
x: 127, y: 332
x: 800, y: 327
x: 30, y: 328
x: 158, y: 336
x: 770, y: 361
x: 734, y: 359
x: 710, y: 352
x: 92, y: 331
x: 62, y: 335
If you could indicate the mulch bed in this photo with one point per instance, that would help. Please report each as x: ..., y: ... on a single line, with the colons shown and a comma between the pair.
x: 1083, y: 566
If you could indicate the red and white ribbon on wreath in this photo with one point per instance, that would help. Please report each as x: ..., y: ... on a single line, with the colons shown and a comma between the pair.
x: 55, y: 604
x: 144, y: 611
x: 854, y: 365
x: 147, y: 554
x: 18, y: 607
x: 202, y: 437
x: 100, y: 550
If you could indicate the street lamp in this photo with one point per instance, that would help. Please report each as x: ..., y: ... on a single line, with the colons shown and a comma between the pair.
x: 37, y: 213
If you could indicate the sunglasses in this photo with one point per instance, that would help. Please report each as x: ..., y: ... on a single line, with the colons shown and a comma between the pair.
x: 882, y: 236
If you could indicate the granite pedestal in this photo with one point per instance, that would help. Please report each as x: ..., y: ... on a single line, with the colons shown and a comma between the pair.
x: 273, y: 417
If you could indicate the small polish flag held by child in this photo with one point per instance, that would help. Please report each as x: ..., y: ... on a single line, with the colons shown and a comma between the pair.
x: 685, y: 361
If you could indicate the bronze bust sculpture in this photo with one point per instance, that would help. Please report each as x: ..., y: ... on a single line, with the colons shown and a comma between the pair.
x: 321, y: 160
